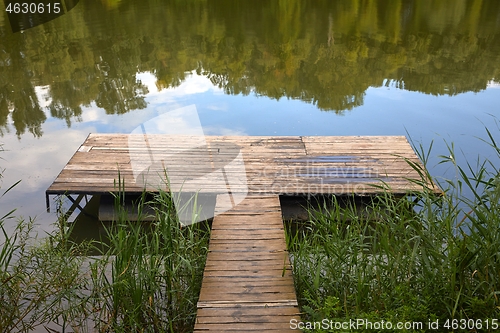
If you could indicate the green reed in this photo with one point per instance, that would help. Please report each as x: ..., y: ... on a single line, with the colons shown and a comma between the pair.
x: 417, y: 258
x: 147, y: 278
x: 40, y: 283
x: 150, y: 276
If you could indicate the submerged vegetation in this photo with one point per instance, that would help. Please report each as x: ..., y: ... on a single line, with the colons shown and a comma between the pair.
x: 431, y: 258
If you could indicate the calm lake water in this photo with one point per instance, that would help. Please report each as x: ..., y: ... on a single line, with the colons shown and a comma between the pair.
x: 426, y: 69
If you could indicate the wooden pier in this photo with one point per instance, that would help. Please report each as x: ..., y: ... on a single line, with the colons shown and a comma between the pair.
x: 247, y: 283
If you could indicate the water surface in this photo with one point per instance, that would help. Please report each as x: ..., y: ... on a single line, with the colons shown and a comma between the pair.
x: 425, y: 69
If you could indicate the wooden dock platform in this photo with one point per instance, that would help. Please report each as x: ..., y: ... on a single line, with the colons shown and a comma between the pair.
x: 294, y: 165
x: 247, y: 283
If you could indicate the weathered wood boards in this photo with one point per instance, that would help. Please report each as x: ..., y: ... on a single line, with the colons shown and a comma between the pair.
x: 240, y: 164
x: 247, y: 282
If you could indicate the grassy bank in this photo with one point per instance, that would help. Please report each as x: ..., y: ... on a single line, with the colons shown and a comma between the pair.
x: 414, y: 259
x: 147, y: 279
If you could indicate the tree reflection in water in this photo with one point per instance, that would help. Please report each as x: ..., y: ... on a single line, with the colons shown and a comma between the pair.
x: 323, y: 52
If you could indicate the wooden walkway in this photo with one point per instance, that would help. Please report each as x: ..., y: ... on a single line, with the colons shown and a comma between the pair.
x: 247, y: 283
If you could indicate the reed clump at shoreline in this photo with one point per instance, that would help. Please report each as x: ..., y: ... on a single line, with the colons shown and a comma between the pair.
x: 145, y: 278
x: 416, y: 259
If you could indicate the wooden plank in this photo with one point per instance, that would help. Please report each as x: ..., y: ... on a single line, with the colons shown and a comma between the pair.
x: 247, y: 280
x: 216, y: 290
x: 257, y: 296
x: 277, y: 255
x: 246, y: 287
x: 246, y: 304
x: 244, y: 327
x: 249, y: 319
x: 208, y: 314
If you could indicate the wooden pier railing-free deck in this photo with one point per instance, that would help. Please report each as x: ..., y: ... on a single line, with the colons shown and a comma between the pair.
x: 260, y: 165
x: 247, y: 284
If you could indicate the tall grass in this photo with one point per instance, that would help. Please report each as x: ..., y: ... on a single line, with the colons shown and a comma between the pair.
x: 147, y: 279
x: 39, y: 282
x: 154, y: 274
x: 419, y: 258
